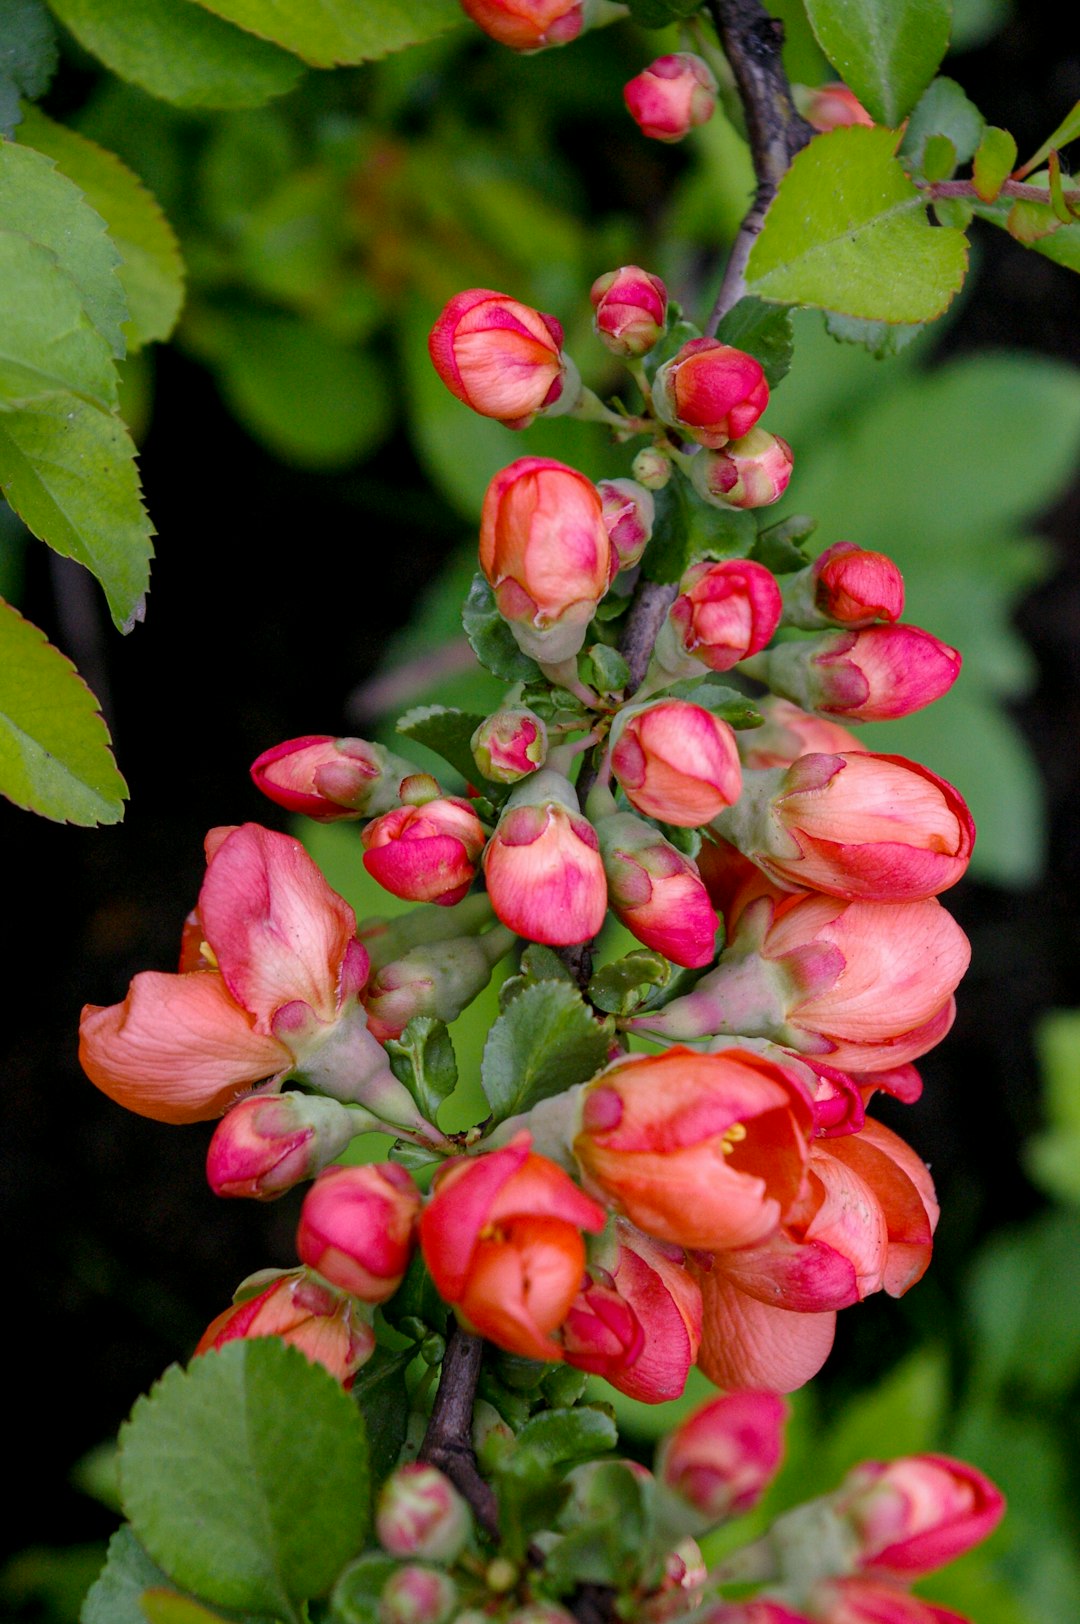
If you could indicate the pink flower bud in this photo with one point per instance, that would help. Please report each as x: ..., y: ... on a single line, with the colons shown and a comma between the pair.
x: 676, y: 761
x: 266, y: 1144
x: 544, y: 549
x: 425, y: 853
x: 416, y: 1595
x: 500, y: 357
x: 305, y: 1313
x: 706, y: 1151
x: 545, y: 875
x: 656, y: 892
x: 789, y: 733
x: 501, y: 1237
x: 865, y: 1601
x: 650, y: 1276
x: 439, y: 979
x: 758, y: 1611
x: 722, y: 1458
x: 631, y: 310
x: 832, y: 107
x: 601, y: 1333
x: 510, y: 744
x: 671, y: 96
x: 327, y: 778
x: 873, y: 675
x: 752, y: 472
x: 855, y: 825
x: 854, y: 587
x: 356, y: 1228
x: 420, y: 1513
x: 529, y: 25
x: 917, y: 1513
x: 651, y: 468
x: 711, y: 392
x: 724, y: 612
x: 629, y: 511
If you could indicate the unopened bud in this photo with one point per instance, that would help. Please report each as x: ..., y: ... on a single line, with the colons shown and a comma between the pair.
x: 306, y: 1313
x: 629, y: 511
x: 651, y: 468
x: 724, y: 613
x: 269, y: 1142
x: 545, y: 876
x: 510, y: 744
x: 656, y: 892
x: 425, y: 853
x: 530, y: 25
x: 830, y: 107
x: 711, y: 392
x: 631, y: 310
x: 420, y: 1513
x: 499, y: 356
x: 914, y: 1514
x: 676, y: 761
x: 752, y: 472
x: 357, y: 1228
x: 439, y: 979
x: 720, y: 1461
x: 416, y: 1595
x: 874, y: 675
x: 845, y: 586
x: 671, y: 96
x: 328, y: 778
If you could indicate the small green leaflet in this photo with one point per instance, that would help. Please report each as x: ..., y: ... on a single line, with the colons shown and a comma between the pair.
x: 762, y: 331
x: 687, y: 529
x: 543, y: 1043
x: 54, y: 746
x: 423, y: 1059
x: 328, y: 32
x: 27, y: 57
x: 886, y: 51
x: 447, y: 731
x: 848, y: 232
x: 620, y: 987
x: 490, y: 637
x: 943, y: 110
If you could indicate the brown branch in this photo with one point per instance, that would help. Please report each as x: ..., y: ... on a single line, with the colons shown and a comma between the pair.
x: 752, y: 42
x: 1023, y: 190
x: 448, y: 1441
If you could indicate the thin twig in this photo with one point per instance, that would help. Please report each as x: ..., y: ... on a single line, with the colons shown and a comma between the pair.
x: 448, y: 1441
x: 752, y: 42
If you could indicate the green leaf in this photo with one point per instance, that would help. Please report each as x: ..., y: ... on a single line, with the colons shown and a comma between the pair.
x: 356, y: 1595
x: 246, y: 1477
x: 943, y: 110
x: 379, y: 1390
x: 687, y: 529
x: 762, y: 331
x: 47, y: 340
x: 69, y: 472
x: 151, y: 271
x: 1053, y: 1156
x: 607, y: 1545
x: 939, y: 158
x: 177, y: 51
x: 490, y: 637
x: 1068, y: 130
x: 115, y: 1596
x: 620, y: 987
x: 729, y: 704
x: 679, y: 333
x: 557, y: 1438
x: 423, y: 1059
x: 609, y: 672
x: 28, y: 57
x: 160, y: 1606
x: 542, y: 1044
x: 328, y: 32
x: 1029, y: 222
x: 659, y: 13
x: 881, y: 338
x: 1024, y: 1307
x: 779, y: 546
x: 42, y: 203
x: 886, y: 50
x: 54, y: 746
x: 847, y: 231
x: 447, y: 731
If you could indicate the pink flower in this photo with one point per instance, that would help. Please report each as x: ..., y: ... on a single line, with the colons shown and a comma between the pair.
x: 915, y: 1514
x: 306, y: 1314
x: 722, y: 1458
x: 264, y: 1145
x: 527, y: 25
x: 789, y: 733
x: 873, y: 675
x: 545, y: 876
x: 676, y: 761
x: 724, y: 612
x: 631, y: 310
x: 854, y: 587
x: 418, y: 1595
x: 656, y: 892
x: 425, y: 853
x: 711, y: 392
x: 867, y: 1601
x: 750, y: 472
x: 671, y: 96
x: 499, y: 356
x: 327, y: 778
x: 749, y: 1343
x: 357, y: 1228
x: 628, y: 510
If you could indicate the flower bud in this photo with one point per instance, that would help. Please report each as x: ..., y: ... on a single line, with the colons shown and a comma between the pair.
x: 856, y: 1600
x: 356, y: 1228
x: 711, y: 392
x: 266, y: 1144
x: 545, y: 551
x: 438, y: 979
x: 651, y: 468
x: 722, y: 1458
x: 529, y: 25
x: 416, y: 1595
x: 789, y: 733
x: 917, y: 1513
x: 656, y: 892
x: 425, y: 853
x: 831, y: 107
x: 420, y: 1513
x: 545, y: 875
x: 631, y: 310
x: 499, y: 356
x: 752, y: 472
x: 676, y: 761
x: 724, y: 612
x: 758, y: 1611
x: 305, y: 1313
x: 873, y: 675
x: 706, y: 1151
x: 510, y: 744
x: 845, y: 586
x: 672, y: 96
x: 629, y: 511
x: 327, y: 778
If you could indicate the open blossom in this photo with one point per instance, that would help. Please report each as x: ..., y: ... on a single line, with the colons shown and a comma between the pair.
x: 676, y: 761
x: 528, y: 25
x: 751, y: 472
x: 873, y: 675
x: 854, y: 825
x: 706, y: 1151
x: 656, y: 892
x: 631, y: 310
x: 307, y: 1314
x: 545, y: 875
x: 746, y: 1342
x: 671, y: 96
x: 328, y: 778
x: 499, y: 356
x: 501, y: 1237
x: 426, y: 853
x: 789, y: 733
x: 357, y: 1227
x: 724, y: 612
x: 720, y: 1460
x: 711, y: 392
x: 914, y: 1514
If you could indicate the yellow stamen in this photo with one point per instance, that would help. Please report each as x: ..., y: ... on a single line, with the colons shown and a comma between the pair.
x: 732, y: 1137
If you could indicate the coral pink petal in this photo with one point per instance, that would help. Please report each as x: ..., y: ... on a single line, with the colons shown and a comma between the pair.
x: 750, y: 1344
x: 807, y: 1277
x: 451, y: 1222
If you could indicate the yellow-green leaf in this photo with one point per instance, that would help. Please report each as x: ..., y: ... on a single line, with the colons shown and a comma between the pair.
x: 326, y: 32
x: 47, y: 340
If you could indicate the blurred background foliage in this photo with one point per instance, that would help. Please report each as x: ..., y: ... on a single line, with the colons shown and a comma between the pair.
x: 317, y: 490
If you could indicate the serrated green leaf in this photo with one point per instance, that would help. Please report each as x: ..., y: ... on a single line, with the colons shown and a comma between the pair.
x: 764, y: 332
x: 161, y: 1606
x: 28, y: 57
x: 679, y: 333
x: 847, y: 231
x: 128, y: 1572
x: 886, y: 50
x: 47, y: 340
x: 556, y: 1438
x: 331, y: 32
x: 490, y: 637
x: 379, y: 1391
x: 729, y: 704
x: 539, y: 963
x: 447, y: 731
x: 54, y: 746
x: 69, y: 472
x: 687, y: 529
x: 356, y: 1595
x: 881, y: 338
x: 943, y: 109
x: 423, y: 1059
x: 542, y: 1044
x: 246, y: 1477
x: 1068, y: 130
x: 176, y: 50
x: 619, y: 988
x: 151, y: 271
x: 780, y: 546
x: 609, y: 671
x: 43, y: 204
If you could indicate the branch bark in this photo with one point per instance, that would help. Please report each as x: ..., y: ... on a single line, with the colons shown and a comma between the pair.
x: 447, y: 1443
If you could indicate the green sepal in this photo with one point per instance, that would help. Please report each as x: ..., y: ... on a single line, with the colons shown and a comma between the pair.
x: 490, y: 637
x: 545, y: 1041
x: 355, y: 1598
x: 620, y: 987
x: 764, y: 331
x: 606, y: 670
x: 447, y: 731
x: 780, y: 546
x: 688, y: 529
x: 415, y: 1158
x: 563, y: 1386
x: 423, y: 1059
